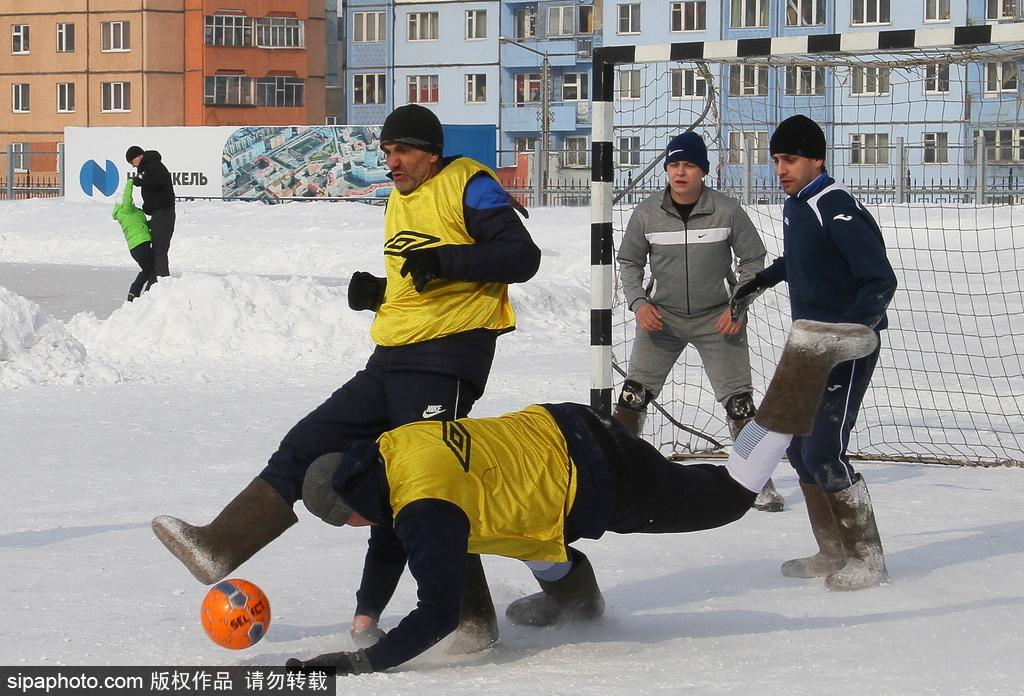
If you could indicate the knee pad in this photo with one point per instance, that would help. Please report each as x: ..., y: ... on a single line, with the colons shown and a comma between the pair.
x: 740, y: 406
x: 634, y: 396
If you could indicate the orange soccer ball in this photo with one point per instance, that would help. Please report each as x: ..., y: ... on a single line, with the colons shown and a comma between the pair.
x: 235, y: 614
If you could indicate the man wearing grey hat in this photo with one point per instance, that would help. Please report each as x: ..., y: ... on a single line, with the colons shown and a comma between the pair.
x: 699, y: 244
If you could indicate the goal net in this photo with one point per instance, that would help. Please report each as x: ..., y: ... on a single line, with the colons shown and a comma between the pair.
x: 926, y: 128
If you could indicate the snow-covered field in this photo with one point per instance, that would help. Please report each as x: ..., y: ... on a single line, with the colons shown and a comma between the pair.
x: 172, y: 403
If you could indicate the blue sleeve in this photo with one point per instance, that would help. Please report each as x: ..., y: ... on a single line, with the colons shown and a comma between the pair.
x: 503, y: 251
x: 775, y: 272
x: 436, y: 538
x: 859, y: 239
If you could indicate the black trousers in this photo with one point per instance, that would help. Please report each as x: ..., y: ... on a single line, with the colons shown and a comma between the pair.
x: 161, y: 229
x: 143, y: 255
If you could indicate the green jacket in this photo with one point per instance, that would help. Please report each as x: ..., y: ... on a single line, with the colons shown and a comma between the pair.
x: 132, y: 219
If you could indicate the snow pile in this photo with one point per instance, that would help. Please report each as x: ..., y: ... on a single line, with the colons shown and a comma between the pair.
x: 37, y: 349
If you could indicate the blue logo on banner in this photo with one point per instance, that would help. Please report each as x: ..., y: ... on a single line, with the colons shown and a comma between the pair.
x: 93, y: 176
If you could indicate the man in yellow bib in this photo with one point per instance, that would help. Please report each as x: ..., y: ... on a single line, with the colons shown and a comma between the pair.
x: 526, y: 484
x: 452, y: 243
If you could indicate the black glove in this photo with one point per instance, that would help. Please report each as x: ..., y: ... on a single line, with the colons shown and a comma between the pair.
x: 424, y: 265
x: 366, y: 291
x: 344, y: 662
x: 136, y: 179
x: 744, y: 295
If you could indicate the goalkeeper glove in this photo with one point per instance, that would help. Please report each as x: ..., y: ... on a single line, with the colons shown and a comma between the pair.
x: 344, y: 662
x: 744, y: 295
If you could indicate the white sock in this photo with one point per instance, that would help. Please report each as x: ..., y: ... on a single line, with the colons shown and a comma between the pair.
x: 549, y: 571
x: 755, y: 454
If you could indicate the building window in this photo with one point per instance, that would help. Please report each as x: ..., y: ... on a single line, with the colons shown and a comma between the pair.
x: 368, y: 27
x: 422, y: 89
x: 870, y: 12
x: 749, y: 13
x: 748, y: 80
x: 19, y: 38
x: 1000, y: 9
x: 526, y: 22
x: 936, y: 78
x: 476, y: 24
x: 688, y: 16
x: 280, y: 32
x: 738, y: 146
x: 115, y: 36
x: 228, y: 30
x: 228, y: 90
x: 629, y: 18
x: 280, y: 91
x: 368, y: 88
x: 629, y: 84
x: 422, y: 26
x: 527, y: 88
x: 19, y: 98
x: 115, y: 97
x: 805, y: 81
x: 1001, y: 77
x: 525, y: 144
x: 560, y: 20
x: 65, y: 37
x: 936, y: 148
x: 628, y: 151
x: 65, y: 97
x: 476, y: 88
x: 574, y: 152
x: 805, y: 13
x: 869, y: 148
x: 870, y: 81
x: 688, y: 84
x: 585, y: 23
x: 575, y: 86
x: 936, y: 10
x: 19, y: 156
x: 1003, y: 145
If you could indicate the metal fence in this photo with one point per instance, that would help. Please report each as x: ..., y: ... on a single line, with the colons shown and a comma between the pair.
x: 18, y: 182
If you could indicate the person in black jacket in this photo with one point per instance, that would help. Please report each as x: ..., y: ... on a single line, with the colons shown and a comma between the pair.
x: 526, y: 484
x: 452, y: 243
x: 835, y: 264
x: 157, y: 201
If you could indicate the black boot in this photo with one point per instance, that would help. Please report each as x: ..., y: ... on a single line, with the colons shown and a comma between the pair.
x: 830, y: 556
x: 865, y: 559
x: 576, y: 597
x: 478, y: 625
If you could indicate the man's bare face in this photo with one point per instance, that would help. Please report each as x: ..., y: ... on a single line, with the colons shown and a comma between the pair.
x: 410, y: 167
x: 796, y: 171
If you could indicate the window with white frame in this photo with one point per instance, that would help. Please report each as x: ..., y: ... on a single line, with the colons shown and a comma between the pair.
x: 870, y: 81
x: 228, y: 30
x: 65, y: 97
x: 115, y: 97
x: 368, y: 88
x: 368, y: 27
x: 805, y: 81
x: 115, y: 36
x: 869, y: 148
x: 749, y: 13
x: 575, y: 86
x: 19, y: 39
x: 870, y: 12
x: 936, y: 78
x: 524, y: 144
x: 283, y: 90
x: 560, y: 20
x: 936, y: 148
x: 228, y: 90
x: 738, y: 142
x: 691, y: 15
x: 65, y: 37
x: 629, y: 18
x: 805, y: 13
x: 1003, y: 145
x: 1001, y: 77
x: 422, y: 26
x: 936, y: 10
x: 476, y: 88
x: 423, y: 89
x: 748, y: 80
x: 628, y: 151
x: 687, y: 83
x: 996, y: 10
x: 526, y: 22
x: 476, y: 24
x: 20, y: 97
x: 527, y: 89
x: 19, y: 156
x: 280, y: 32
x: 629, y: 84
x: 575, y: 152
x: 585, y: 19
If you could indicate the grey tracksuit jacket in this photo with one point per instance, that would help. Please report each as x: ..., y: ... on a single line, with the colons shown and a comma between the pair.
x: 691, y: 262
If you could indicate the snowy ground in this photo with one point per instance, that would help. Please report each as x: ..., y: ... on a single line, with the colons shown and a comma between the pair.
x: 111, y: 414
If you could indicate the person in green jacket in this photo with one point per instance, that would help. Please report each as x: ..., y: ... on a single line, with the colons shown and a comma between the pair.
x: 140, y: 243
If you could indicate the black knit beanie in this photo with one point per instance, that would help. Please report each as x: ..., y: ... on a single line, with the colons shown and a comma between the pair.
x: 415, y: 126
x: 133, y: 152
x: 798, y: 135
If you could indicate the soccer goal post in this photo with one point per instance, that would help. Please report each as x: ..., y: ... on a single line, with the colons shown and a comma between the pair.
x: 926, y: 128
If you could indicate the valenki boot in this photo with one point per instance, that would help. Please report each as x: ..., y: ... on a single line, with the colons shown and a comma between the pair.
x: 865, y: 559
x: 830, y: 556
x: 576, y: 597
x: 478, y: 625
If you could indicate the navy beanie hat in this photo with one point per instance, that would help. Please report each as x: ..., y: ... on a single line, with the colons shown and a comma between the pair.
x: 415, y: 126
x: 133, y: 152
x: 798, y: 135
x: 688, y: 147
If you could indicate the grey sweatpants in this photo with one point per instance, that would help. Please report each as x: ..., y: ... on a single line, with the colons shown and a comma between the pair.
x: 726, y: 359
